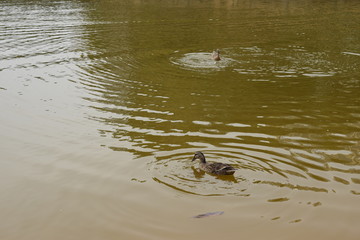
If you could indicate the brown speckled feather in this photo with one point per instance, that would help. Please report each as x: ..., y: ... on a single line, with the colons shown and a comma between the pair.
x: 217, y: 168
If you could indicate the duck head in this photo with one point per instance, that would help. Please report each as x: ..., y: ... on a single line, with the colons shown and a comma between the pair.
x: 199, y: 155
x: 216, y: 55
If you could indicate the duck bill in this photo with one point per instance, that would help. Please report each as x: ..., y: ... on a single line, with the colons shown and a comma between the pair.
x: 194, y: 158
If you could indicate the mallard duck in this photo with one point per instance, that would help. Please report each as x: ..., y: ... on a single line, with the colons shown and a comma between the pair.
x: 214, y: 167
x: 216, y: 55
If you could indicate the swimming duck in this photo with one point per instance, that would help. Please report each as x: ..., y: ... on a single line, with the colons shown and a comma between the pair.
x: 216, y: 55
x: 215, y: 167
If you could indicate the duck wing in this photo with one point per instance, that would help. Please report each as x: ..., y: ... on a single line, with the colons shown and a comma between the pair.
x: 221, y: 168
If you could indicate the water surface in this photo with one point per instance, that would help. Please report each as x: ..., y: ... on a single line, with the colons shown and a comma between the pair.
x: 103, y: 104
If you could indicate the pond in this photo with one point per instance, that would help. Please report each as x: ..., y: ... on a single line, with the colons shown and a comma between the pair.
x: 104, y: 103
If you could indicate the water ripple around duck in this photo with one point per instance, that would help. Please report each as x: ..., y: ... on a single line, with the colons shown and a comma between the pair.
x: 258, y: 167
x: 200, y: 61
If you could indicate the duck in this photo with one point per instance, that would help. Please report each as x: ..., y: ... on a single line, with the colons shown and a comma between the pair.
x: 216, y: 55
x: 214, y: 167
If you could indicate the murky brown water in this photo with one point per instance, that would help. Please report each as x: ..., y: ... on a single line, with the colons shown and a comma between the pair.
x: 103, y: 104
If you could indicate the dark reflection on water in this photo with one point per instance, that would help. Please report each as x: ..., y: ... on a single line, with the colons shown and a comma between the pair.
x: 282, y: 105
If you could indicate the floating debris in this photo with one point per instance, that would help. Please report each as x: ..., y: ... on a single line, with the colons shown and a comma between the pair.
x: 209, y: 214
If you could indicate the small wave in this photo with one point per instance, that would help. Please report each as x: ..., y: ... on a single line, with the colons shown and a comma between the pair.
x: 200, y: 61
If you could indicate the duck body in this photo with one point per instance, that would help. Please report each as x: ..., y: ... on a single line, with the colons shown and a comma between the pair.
x: 216, y: 55
x: 213, y: 167
x: 217, y: 168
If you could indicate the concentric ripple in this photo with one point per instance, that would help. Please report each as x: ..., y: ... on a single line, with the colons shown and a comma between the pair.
x: 179, y: 173
x: 258, y: 166
x: 200, y: 61
x: 278, y: 140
